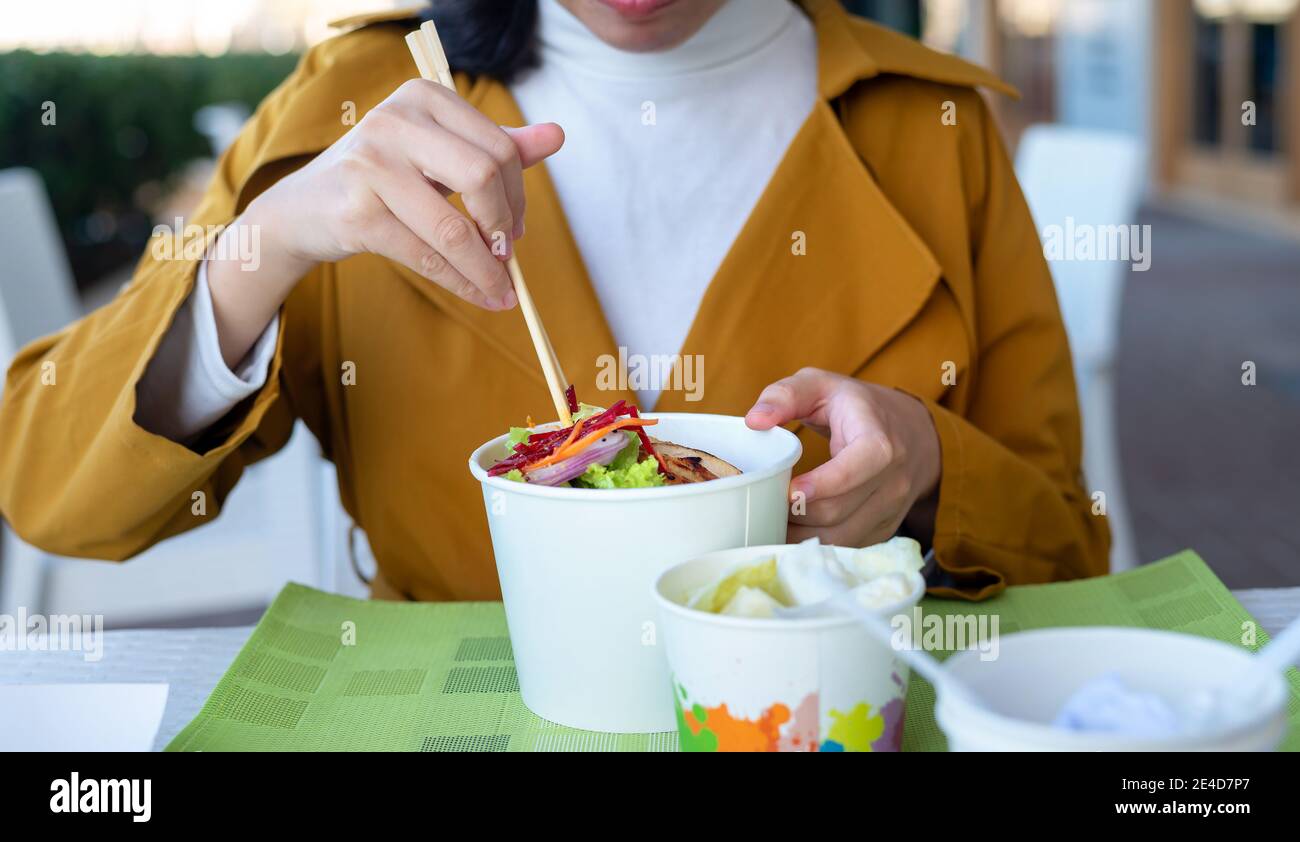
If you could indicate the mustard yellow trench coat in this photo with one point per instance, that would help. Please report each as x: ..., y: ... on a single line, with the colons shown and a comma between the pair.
x: 920, y: 259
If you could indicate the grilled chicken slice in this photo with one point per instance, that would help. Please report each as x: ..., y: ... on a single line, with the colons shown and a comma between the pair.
x: 687, y: 464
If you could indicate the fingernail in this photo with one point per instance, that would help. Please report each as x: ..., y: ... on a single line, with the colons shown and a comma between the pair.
x: 763, y: 408
x: 801, y: 490
x: 508, y: 301
x: 519, y: 230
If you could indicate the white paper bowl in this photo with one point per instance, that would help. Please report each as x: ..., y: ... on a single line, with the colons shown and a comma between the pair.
x: 577, y: 568
x: 815, y: 684
x: 1037, y: 671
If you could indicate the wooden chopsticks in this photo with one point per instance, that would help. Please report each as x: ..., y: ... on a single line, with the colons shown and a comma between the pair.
x: 426, y: 49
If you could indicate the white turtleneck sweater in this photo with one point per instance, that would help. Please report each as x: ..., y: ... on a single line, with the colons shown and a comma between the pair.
x: 666, y: 154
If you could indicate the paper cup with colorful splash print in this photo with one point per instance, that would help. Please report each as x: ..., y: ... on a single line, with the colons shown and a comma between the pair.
x: 755, y: 684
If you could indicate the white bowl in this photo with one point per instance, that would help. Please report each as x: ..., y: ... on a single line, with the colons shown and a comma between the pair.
x: 1037, y: 671
x: 577, y: 568
x: 810, y: 684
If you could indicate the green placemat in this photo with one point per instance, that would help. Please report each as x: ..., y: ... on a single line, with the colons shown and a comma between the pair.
x: 325, y: 672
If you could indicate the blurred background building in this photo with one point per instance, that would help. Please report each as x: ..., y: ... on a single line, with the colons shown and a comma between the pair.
x: 1182, y: 115
x: 1202, y: 83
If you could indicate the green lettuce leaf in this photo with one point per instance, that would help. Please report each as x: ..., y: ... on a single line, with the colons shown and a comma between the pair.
x: 626, y: 457
x: 516, y: 436
x: 643, y: 474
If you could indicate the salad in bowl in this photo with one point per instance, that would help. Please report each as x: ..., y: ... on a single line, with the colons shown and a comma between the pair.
x: 603, y: 448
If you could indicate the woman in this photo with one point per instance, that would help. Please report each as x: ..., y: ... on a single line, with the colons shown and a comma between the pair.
x: 817, y: 208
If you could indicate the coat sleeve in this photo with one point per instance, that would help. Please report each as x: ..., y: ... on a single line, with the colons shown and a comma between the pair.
x: 78, y: 475
x: 1012, y: 507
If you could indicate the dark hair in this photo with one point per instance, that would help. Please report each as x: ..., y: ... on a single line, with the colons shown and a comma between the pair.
x: 486, y: 37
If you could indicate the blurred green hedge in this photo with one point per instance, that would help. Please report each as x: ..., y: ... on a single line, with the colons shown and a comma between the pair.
x: 122, y: 121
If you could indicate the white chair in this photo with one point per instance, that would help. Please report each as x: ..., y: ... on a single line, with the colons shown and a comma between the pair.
x: 37, y: 296
x: 35, y: 279
x: 1074, y: 178
x: 275, y: 525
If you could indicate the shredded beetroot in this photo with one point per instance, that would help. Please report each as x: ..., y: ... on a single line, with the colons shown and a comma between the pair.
x: 647, y: 446
x: 540, y: 445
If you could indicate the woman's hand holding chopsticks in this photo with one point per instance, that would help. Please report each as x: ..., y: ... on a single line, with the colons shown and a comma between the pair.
x: 382, y: 189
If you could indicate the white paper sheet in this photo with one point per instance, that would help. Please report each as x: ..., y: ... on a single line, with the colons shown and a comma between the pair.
x: 80, y: 717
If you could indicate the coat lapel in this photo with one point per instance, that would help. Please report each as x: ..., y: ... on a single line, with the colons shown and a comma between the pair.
x: 823, y: 274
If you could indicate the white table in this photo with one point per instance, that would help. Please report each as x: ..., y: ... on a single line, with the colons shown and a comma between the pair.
x: 193, y: 660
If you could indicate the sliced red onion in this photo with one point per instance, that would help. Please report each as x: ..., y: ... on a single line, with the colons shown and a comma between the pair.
x: 602, y: 452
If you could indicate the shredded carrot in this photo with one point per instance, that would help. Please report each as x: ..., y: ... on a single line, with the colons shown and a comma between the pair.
x: 572, y: 448
x: 586, y: 441
x: 555, y: 455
